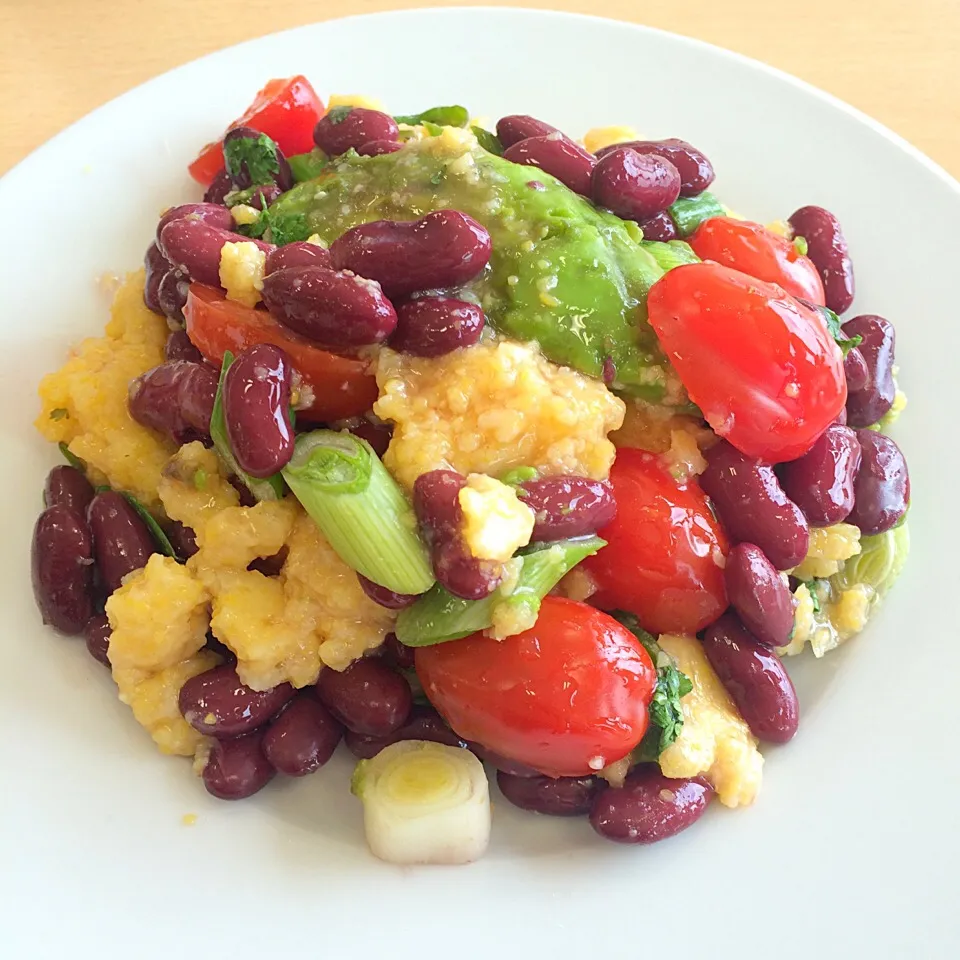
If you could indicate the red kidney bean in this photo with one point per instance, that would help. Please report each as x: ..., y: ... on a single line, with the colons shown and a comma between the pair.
x: 302, y: 739
x: 553, y: 796
x: 383, y: 596
x: 855, y: 372
x: 332, y: 307
x: 649, y: 806
x: 69, y: 487
x: 659, y: 227
x: 424, y: 724
x: 821, y: 482
x: 882, y: 487
x: 265, y: 195
x: 270, y: 566
x: 121, y: 541
x: 753, y: 507
x: 376, y: 434
x: 301, y: 254
x: 283, y: 178
x: 433, y: 326
x: 212, y: 214
x: 346, y: 127
x: 841, y: 417
x: 96, y: 634
x: 757, y: 592
x: 696, y: 171
x: 519, y: 126
x: 568, y: 506
x: 237, y: 768
x: 221, y: 650
x: 219, y: 704
x: 375, y: 148
x: 442, y: 249
x: 510, y: 767
x: 181, y: 538
x: 219, y: 187
x: 256, y: 407
x: 193, y: 247
x: 755, y: 679
x: 437, y: 506
x: 62, y: 569
x: 635, y: 186
x: 397, y: 654
x: 367, y: 697
x: 172, y: 294
x: 156, y: 266
x: 827, y: 248
x: 175, y: 398
x: 869, y: 400
x: 557, y: 155
x: 179, y: 347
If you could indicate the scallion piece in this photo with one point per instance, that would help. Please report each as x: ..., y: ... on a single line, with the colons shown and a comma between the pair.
x: 440, y: 616
x: 156, y: 531
x: 269, y: 489
x: 72, y: 458
x: 362, y: 512
x: 453, y: 116
x: 673, y: 253
x: 308, y: 166
x: 489, y: 141
x: 689, y: 212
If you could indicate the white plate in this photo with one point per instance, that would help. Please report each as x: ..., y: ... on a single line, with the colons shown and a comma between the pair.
x: 851, y: 849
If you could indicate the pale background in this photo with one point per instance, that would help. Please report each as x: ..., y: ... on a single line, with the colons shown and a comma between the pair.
x: 898, y: 60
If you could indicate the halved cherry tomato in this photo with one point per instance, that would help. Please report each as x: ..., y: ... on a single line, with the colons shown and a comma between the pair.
x: 566, y: 697
x: 342, y: 386
x: 665, y: 550
x: 752, y: 248
x: 762, y: 367
x: 286, y: 110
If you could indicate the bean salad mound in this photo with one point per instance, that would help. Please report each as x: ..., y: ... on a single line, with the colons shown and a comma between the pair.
x: 480, y: 449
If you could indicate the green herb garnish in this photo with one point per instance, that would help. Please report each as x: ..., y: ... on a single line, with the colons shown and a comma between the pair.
x: 453, y: 116
x: 72, y: 458
x: 257, y: 157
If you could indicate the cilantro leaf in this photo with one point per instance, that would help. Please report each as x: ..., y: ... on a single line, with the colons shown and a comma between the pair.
x: 254, y: 158
x: 846, y: 344
x: 489, y: 141
x: 283, y: 228
x: 453, y: 116
x: 337, y: 115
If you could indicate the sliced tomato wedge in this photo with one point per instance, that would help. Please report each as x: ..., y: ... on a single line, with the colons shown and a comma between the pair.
x: 342, y: 386
x: 286, y: 110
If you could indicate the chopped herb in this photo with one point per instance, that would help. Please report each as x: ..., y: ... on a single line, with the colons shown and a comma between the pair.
x: 72, y: 458
x: 257, y: 158
x: 800, y: 244
x: 453, y: 116
x: 489, y: 141
x: 161, y: 539
x: 283, y: 228
x: 437, y: 178
x: 61, y: 413
x: 337, y: 115
x: 846, y: 344
x: 813, y: 587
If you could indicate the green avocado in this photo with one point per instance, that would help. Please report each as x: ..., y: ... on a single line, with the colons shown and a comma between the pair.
x: 563, y: 273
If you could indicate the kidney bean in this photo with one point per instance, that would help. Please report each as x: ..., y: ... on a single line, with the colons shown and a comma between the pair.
x: 424, y: 724
x: 237, y: 768
x: 302, y: 738
x: 568, y: 506
x: 855, y: 372
x: 367, y: 697
x: 433, y: 326
x: 442, y: 249
x: 69, y: 487
x: 121, y: 541
x: 821, y: 482
x: 696, y: 171
x: 334, y: 308
x: 437, y: 506
x: 212, y: 214
x: 181, y: 538
x: 659, y: 227
x: 96, y: 634
x: 175, y: 398
x: 156, y: 266
x: 376, y: 434
x: 221, y: 650
x: 62, y: 568
x: 827, y: 248
x: 520, y: 126
x: 512, y: 768
x: 193, y: 247
x: 882, y: 487
x: 219, y: 704
x: 755, y: 678
x: 871, y: 399
x: 841, y: 417
x: 553, y: 796
x: 375, y: 148
x: 179, y: 347
x: 557, y: 155
x: 649, y: 806
x: 383, y: 596
x: 752, y: 506
x: 265, y: 195
x: 283, y: 178
x: 346, y: 127
x: 757, y: 592
x: 397, y: 654
x: 270, y: 566
x: 256, y: 407
x: 634, y: 185
x: 172, y: 295
x: 219, y: 187
x: 301, y: 254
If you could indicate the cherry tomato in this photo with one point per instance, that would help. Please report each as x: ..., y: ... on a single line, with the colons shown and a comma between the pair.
x: 665, y: 550
x: 342, y: 386
x: 286, y: 110
x: 762, y: 367
x: 566, y: 697
x: 753, y: 249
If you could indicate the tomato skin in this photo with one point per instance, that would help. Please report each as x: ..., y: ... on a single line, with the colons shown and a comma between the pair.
x: 286, y: 110
x: 762, y: 367
x: 342, y: 386
x: 572, y: 689
x: 665, y: 550
x: 753, y: 249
